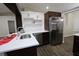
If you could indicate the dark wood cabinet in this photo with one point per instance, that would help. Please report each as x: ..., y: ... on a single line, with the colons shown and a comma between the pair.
x: 47, y: 16
x: 23, y: 52
x: 42, y: 38
x: 76, y: 46
x: 45, y: 37
x: 39, y: 38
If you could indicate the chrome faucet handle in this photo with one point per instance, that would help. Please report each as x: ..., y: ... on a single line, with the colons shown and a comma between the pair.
x: 20, y: 29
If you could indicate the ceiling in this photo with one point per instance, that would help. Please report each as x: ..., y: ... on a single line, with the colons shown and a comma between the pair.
x: 4, y: 10
x: 41, y: 7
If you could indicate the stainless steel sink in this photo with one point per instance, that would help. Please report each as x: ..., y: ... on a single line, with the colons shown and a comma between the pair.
x: 25, y: 36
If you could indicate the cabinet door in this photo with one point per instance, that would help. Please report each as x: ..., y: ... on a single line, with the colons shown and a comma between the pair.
x: 34, y: 15
x: 38, y: 36
x: 27, y: 14
x: 31, y: 15
x: 38, y: 16
x: 42, y: 38
x: 45, y: 37
x: 76, y: 44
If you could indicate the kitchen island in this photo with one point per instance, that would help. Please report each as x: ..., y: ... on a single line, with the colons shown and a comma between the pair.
x: 17, y: 44
x: 21, y: 47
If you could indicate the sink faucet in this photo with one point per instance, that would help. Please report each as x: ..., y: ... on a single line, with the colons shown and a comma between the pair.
x: 20, y: 30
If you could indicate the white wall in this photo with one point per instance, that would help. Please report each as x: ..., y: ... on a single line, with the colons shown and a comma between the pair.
x: 71, y: 23
x: 76, y: 22
x: 4, y: 30
x: 68, y: 24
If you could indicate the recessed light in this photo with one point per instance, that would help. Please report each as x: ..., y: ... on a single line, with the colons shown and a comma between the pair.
x: 47, y: 7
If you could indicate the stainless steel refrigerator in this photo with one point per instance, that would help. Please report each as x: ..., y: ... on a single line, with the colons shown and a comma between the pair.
x: 55, y: 30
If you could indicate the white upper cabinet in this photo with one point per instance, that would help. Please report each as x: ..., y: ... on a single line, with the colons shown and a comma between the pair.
x: 32, y: 20
x: 34, y: 15
x: 37, y: 16
x: 30, y: 17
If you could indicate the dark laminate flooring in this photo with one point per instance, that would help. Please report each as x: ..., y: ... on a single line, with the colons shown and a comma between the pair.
x: 64, y: 49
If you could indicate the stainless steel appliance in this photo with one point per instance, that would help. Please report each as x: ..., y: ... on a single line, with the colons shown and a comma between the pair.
x: 55, y: 30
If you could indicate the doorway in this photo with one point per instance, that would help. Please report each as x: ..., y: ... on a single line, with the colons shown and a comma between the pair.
x: 11, y: 25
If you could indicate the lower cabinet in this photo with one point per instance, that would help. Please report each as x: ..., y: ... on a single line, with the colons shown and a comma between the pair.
x: 39, y: 38
x: 42, y: 38
x: 76, y: 46
x: 45, y: 37
x: 23, y: 52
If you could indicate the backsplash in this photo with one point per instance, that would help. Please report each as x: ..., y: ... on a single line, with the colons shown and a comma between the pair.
x: 32, y: 27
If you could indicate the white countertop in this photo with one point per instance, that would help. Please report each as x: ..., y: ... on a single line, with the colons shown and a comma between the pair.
x: 77, y: 34
x: 16, y: 43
